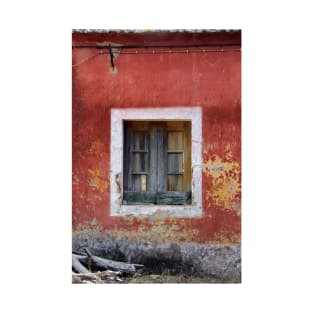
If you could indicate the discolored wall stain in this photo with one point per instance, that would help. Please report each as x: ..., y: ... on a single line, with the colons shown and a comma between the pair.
x: 211, y: 81
x: 224, y: 174
x: 97, y: 180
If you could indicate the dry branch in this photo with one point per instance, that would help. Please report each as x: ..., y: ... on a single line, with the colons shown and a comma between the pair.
x: 77, y: 266
x: 112, y: 273
x: 112, y: 265
x: 98, y: 278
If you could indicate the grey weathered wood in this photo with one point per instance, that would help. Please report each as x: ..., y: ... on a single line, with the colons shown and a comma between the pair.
x: 139, y: 141
x: 76, y: 280
x: 187, y: 156
x: 175, y: 162
x: 153, y: 159
x: 127, y: 157
x: 175, y: 157
x: 139, y: 148
x: 175, y: 182
x: 147, y: 159
x: 175, y: 140
x: 174, y: 197
x: 140, y: 162
x: 135, y: 158
x: 156, y: 150
x: 140, y: 197
x: 162, y: 159
x: 139, y: 183
x: 94, y: 277
x: 81, y: 257
x: 139, y: 166
x: 98, y: 277
x: 77, y: 266
x: 112, y: 265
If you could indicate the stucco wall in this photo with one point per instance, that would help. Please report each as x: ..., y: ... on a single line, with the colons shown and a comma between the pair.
x: 211, y: 80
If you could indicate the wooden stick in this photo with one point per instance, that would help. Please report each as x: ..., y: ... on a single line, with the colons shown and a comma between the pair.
x: 112, y: 265
x: 87, y: 276
x: 77, y: 266
x: 99, y: 277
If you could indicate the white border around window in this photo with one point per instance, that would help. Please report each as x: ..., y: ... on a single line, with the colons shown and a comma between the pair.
x: 193, y: 114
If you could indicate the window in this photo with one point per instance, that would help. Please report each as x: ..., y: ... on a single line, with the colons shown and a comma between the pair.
x: 157, y: 162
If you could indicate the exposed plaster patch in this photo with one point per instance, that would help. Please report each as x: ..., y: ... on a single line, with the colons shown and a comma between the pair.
x: 75, y: 180
x: 158, y: 215
x: 215, y: 168
x: 193, y: 114
x: 113, y: 70
x: 97, y: 180
x: 147, y: 210
x: 118, y: 182
x: 96, y: 148
x: 225, y: 187
x: 94, y: 222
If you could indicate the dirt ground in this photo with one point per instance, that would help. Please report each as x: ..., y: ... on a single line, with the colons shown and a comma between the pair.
x: 174, y: 279
x: 111, y: 277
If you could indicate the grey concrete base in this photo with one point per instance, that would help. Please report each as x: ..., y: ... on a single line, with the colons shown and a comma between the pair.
x: 220, y: 261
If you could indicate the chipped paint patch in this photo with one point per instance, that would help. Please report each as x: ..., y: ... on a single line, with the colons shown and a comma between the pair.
x: 118, y: 182
x: 75, y: 179
x: 215, y: 88
x: 158, y: 232
x: 96, y: 147
x: 158, y: 215
x: 97, y: 180
x: 225, y: 185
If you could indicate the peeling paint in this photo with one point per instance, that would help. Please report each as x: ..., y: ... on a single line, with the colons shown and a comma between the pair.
x: 97, y: 180
x: 156, y: 232
x: 194, y: 81
x: 158, y: 215
x: 118, y: 182
x: 96, y: 147
x: 225, y: 187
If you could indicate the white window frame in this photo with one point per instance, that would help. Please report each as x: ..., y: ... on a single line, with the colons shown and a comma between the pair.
x: 192, y: 114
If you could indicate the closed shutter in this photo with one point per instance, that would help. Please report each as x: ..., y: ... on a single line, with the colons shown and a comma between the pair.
x: 157, y: 163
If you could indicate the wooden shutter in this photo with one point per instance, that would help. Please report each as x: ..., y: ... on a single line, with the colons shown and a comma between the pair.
x: 178, y: 164
x: 157, y: 163
x: 137, y: 177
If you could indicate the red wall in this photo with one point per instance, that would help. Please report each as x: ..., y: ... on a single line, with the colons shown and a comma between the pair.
x: 210, y: 80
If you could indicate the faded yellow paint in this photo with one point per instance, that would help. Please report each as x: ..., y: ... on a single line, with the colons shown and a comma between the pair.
x: 156, y: 234
x: 96, y: 147
x: 218, y: 225
x: 225, y: 187
x: 96, y: 177
x: 97, y: 180
x: 224, y: 238
x: 159, y: 231
x: 136, y: 229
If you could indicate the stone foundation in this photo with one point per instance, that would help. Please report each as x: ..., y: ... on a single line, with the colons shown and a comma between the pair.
x: 221, y: 261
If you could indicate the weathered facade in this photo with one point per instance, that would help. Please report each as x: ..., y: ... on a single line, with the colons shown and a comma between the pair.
x: 132, y: 70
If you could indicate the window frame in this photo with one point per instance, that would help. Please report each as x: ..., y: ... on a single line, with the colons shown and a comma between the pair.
x: 118, y: 116
x: 152, y: 172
